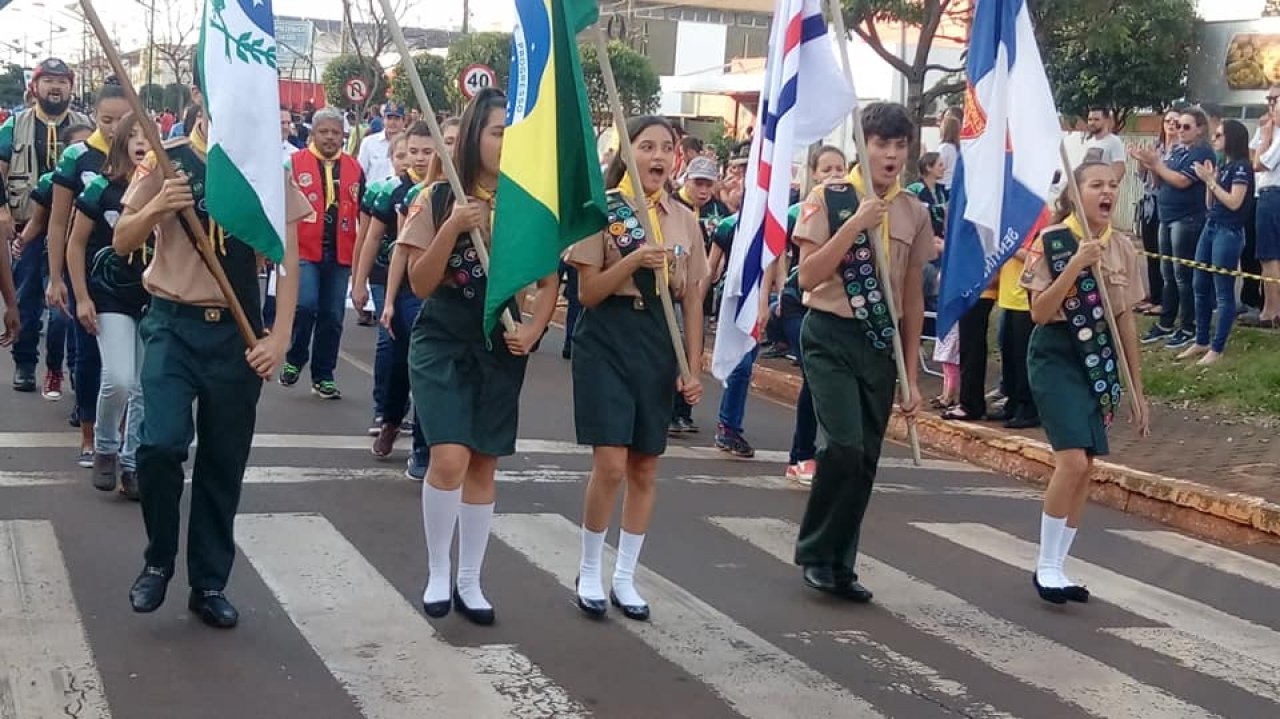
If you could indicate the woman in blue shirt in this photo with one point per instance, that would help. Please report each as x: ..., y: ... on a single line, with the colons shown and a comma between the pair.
x: 1228, y: 193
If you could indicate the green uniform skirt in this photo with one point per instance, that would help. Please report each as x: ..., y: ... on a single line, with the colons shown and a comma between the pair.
x: 624, y: 376
x: 464, y: 393
x: 1068, y: 408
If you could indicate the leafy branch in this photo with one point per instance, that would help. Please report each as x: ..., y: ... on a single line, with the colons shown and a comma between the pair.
x: 247, y: 47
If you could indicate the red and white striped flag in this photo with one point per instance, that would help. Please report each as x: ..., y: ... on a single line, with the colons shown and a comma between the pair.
x: 806, y: 95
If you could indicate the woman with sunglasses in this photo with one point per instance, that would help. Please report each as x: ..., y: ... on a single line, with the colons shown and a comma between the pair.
x: 1180, y: 202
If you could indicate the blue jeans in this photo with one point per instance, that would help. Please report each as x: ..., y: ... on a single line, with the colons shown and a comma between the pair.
x: 733, y: 403
x: 30, y: 277
x: 322, y: 302
x: 381, y: 351
x: 396, y: 399
x: 87, y: 367
x: 804, y: 441
x: 1221, y: 247
x: 1179, y: 239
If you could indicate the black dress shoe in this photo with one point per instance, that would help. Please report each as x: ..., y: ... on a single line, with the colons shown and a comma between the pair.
x: 483, y: 617
x: 1075, y: 593
x: 847, y: 585
x: 594, y: 608
x: 1053, y: 595
x: 822, y: 579
x: 638, y: 612
x: 213, y: 608
x: 147, y: 593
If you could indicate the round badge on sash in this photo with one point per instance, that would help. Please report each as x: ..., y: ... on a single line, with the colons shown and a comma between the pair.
x: 871, y: 283
x: 1101, y: 386
x: 1092, y: 361
x: 631, y: 223
x: 874, y: 296
x: 1106, y: 353
x: 617, y: 228
x: 861, y: 313
x: 1098, y: 312
x: 1087, y: 284
x: 858, y: 301
x: 624, y: 212
x: 867, y: 269
x: 1072, y: 304
x: 469, y: 292
x: 1085, y: 334
x: 850, y: 275
x: 1078, y: 321
x: 879, y: 309
x: 637, y: 234
x: 455, y: 261
x: 863, y: 254
x: 477, y: 272
x: 461, y: 278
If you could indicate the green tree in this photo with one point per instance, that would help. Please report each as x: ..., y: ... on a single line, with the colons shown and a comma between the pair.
x: 931, y: 18
x: 13, y: 89
x: 480, y: 48
x: 152, y: 96
x: 435, y: 78
x: 638, y: 85
x: 346, y: 67
x: 1125, y: 54
x: 175, y: 97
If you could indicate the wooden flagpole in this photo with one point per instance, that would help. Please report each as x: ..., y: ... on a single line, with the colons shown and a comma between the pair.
x: 882, y: 259
x: 189, y: 220
x: 1136, y: 399
x: 429, y: 115
x: 629, y: 159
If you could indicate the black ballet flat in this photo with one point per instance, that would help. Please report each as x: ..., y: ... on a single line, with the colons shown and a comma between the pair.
x: 435, y: 610
x: 1053, y: 595
x: 638, y: 612
x: 594, y: 608
x: 1075, y: 593
x: 483, y: 617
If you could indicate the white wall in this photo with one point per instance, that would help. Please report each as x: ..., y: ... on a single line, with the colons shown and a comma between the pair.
x: 700, y: 47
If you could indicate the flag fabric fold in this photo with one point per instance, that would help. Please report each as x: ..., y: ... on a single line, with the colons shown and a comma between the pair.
x: 245, y: 187
x: 550, y: 188
x: 806, y: 95
x: 1008, y: 153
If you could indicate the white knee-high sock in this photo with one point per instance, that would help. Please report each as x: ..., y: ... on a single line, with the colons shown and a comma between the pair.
x: 624, y: 571
x: 1064, y: 548
x: 1049, y: 566
x: 589, y: 582
x: 439, y: 515
x: 474, y: 521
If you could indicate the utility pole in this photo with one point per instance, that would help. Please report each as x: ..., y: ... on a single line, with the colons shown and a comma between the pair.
x: 466, y: 16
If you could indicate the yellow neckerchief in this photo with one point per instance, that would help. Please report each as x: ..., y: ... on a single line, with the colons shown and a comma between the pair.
x: 1073, y: 223
x: 200, y: 143
x: 628, y: 190
x: 684, y: 195
x: 417, y: 179
x: 51, y: 124
x: 855, y: 179
x: 330, y: 195
x: 485, y: 196
x: 98, y: 141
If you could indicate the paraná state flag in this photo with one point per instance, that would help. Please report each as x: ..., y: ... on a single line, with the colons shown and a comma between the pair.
x: 245, y: 186
x: 1008, y: 153
x: 550, y: 189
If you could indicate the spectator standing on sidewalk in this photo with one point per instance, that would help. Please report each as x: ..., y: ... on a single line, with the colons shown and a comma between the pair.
x: 1182, y: 216
x: 1103, y: 142
x: 1020, y: 409
x: 949, y: 150
x: 1148, y: 216
x: 1266, y: 159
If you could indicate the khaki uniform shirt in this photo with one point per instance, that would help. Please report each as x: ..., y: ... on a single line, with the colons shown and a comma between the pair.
x: 679, y: 226
x: 1120, y: 267
x: 420, y: 227
x: 176, y: 271
x: 910, y: 240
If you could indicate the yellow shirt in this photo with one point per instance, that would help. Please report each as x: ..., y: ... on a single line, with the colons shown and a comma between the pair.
x: 1012, y: 294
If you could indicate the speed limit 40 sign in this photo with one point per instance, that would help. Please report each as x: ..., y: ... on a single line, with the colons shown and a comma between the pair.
x: 476, y: 78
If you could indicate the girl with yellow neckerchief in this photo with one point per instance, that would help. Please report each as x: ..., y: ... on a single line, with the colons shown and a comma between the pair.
x: 467, y: 385
x: 1063, y: 375
x: 625, y: 374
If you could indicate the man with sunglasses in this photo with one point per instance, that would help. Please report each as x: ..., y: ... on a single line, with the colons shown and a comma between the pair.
x: 1266, y: 162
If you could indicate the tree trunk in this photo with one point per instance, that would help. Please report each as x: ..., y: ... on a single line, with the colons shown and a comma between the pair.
x: 916, y: 109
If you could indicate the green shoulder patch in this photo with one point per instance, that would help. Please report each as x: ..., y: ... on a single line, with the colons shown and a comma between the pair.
x: 92, y: 194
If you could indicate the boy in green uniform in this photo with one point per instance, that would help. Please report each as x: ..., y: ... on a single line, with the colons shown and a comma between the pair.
x: 847, y: 339
x: 193, y: 351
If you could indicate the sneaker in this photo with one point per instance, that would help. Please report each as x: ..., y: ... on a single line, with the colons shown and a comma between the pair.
x: 129, y: 485
x: 289, y: 374
x: 86, y: 460
x: 53, y: 385
x: 687, y: 426
x: 376, y: 427
x: 802, y: 472
x: 416, y: 467
x: 105, y: 467
x: 24, y: 379
x: 1156, y: 334
x: 386, y: 440
x: 326, y: 389
x: 407, y: 426
x: 675, y: 427
x: 732, y: 442
x: 1181, y: 338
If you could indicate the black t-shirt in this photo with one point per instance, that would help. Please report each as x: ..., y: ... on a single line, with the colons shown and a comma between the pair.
x: 80, y: 164
x: 115, y: 282
x: 385, y: 209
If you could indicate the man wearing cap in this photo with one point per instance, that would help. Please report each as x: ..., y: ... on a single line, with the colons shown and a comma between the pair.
x: 374, y: 156
x: 30, y: 147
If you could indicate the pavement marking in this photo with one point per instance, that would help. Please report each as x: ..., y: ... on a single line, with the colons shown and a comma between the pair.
x: 1040, y: 662
x: 46, y: 666
x: 1212, y: 556
x: 383, y: 652
x: 908, y: 675
x: 355, y: 361
x: 1215, y: 627
x: 1194, y: 653
x: 756, y: 678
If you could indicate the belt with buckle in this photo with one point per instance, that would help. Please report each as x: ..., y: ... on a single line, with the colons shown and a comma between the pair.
x: 637, y: 303
x: 213, y: 314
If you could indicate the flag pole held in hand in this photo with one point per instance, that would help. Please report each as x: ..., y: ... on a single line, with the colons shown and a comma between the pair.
x: 187, y: 218
x: 629, y: 159
x: 429, y: 115
x: 878, y: 251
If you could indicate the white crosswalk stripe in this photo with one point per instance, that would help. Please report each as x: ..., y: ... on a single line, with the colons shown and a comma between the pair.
x: 755, y: 677
x: 1214, y: 557
x: 1074, y: 677
x: 374, y: 643
x: 46, y: 667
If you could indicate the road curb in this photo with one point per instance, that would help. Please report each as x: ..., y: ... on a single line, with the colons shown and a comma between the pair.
x: 1221, y: 515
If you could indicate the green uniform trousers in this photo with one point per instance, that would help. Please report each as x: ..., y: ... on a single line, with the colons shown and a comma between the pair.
x: 192, y: 354
x: 852, y: 385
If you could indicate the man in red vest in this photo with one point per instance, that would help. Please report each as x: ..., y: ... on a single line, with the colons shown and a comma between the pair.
x: 333, y: 183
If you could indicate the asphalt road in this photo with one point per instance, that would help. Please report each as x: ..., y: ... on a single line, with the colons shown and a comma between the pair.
x: 332, y: 564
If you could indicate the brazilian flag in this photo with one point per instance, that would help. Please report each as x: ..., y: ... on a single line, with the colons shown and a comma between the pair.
x: 550, y: 190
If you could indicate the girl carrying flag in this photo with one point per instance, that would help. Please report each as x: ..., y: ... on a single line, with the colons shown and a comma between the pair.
x: 1072, y: 360
x: 471, y: 382
x: 110, y: 301
x: 625, y: 374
